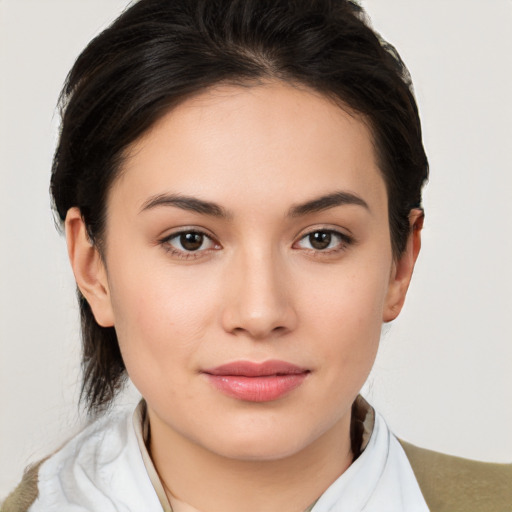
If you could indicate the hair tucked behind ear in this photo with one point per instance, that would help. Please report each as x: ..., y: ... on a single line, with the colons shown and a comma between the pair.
x: 160, y: 52
x: 104, y: 373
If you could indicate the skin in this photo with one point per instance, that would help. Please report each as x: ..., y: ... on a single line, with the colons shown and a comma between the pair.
x: 255, y: 290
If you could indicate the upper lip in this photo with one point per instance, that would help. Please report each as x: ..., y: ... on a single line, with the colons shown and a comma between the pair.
x: 252, y: 369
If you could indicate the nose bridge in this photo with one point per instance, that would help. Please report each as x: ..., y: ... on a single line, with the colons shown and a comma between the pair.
x: 260, y: 303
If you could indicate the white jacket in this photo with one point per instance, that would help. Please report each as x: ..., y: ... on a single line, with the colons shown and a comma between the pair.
x: 106, y: 468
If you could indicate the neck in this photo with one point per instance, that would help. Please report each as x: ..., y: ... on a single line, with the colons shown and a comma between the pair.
x: 209, y: 482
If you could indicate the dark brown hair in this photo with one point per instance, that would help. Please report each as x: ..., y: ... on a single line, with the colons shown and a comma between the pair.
x: 160, y: 52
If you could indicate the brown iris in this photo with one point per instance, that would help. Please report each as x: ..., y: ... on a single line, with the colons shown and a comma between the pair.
x: 191, y: 241
x: 320, y: 239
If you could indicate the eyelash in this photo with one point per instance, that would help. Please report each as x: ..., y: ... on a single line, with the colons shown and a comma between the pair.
x: 183, y: 253
x: 344, y: 241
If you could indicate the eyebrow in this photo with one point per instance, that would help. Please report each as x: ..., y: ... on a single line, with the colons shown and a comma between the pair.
x: 189, y: 203
x: 328, y: 201
x: 209, y: 208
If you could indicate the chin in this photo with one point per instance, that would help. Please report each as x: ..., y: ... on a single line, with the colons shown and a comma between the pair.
x: 257, y: 442
x: 260, y: 450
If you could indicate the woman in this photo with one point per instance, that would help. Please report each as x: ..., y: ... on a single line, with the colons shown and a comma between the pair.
x: 240, y: 184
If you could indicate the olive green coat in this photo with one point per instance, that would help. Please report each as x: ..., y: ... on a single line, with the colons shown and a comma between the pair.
x: 449, y: 484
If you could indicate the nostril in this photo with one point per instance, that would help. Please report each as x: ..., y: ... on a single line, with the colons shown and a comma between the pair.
x: 261, y: 332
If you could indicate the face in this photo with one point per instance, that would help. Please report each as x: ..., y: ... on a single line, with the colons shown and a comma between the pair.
x: 249, y: 269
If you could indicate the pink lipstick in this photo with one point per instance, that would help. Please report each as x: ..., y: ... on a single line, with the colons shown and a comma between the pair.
x: 256, y: 382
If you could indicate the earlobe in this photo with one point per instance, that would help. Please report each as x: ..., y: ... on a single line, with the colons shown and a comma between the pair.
x: 403, y: 268
x: 88, y: 268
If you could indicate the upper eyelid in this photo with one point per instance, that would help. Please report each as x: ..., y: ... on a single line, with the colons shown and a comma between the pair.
x: 180, y: 231
x: 342, y: 236
x: 345, y: 240
x: 342, y: 232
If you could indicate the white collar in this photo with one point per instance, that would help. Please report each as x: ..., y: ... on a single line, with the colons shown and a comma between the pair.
x: 107, y: 467
x: 379, y: 480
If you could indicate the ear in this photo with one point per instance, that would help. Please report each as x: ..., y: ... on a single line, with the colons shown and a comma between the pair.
x: 402, y: 268
x: 89, y: 269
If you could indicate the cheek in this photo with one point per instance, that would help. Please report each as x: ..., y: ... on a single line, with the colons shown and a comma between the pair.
x: 350, y: 297
x: 161, y: 318
x: 345, y: 315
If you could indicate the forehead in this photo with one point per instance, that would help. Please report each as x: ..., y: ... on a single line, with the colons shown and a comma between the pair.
x: 276, y: 141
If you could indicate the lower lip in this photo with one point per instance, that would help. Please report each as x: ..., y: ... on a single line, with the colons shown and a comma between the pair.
x: 257, y: 389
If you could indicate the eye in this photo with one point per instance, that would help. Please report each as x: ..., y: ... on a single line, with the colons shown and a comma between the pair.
x: 186, y: 242
x: 324, y: 240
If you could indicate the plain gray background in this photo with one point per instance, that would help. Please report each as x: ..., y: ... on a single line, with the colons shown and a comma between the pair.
x: 443, y: 378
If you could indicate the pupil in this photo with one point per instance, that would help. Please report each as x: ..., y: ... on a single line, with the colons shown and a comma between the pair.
x: 191, y: 241
x: 320, y: 239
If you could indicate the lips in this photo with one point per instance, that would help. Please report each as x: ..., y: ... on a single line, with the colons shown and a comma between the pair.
x: 256, y: 382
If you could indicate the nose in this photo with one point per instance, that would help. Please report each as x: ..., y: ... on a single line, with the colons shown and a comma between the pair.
x: 259, y: 297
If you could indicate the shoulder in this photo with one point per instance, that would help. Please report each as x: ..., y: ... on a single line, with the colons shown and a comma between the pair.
x: 455, y: 484
x: 25, y: 493
x: 47, y: 484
